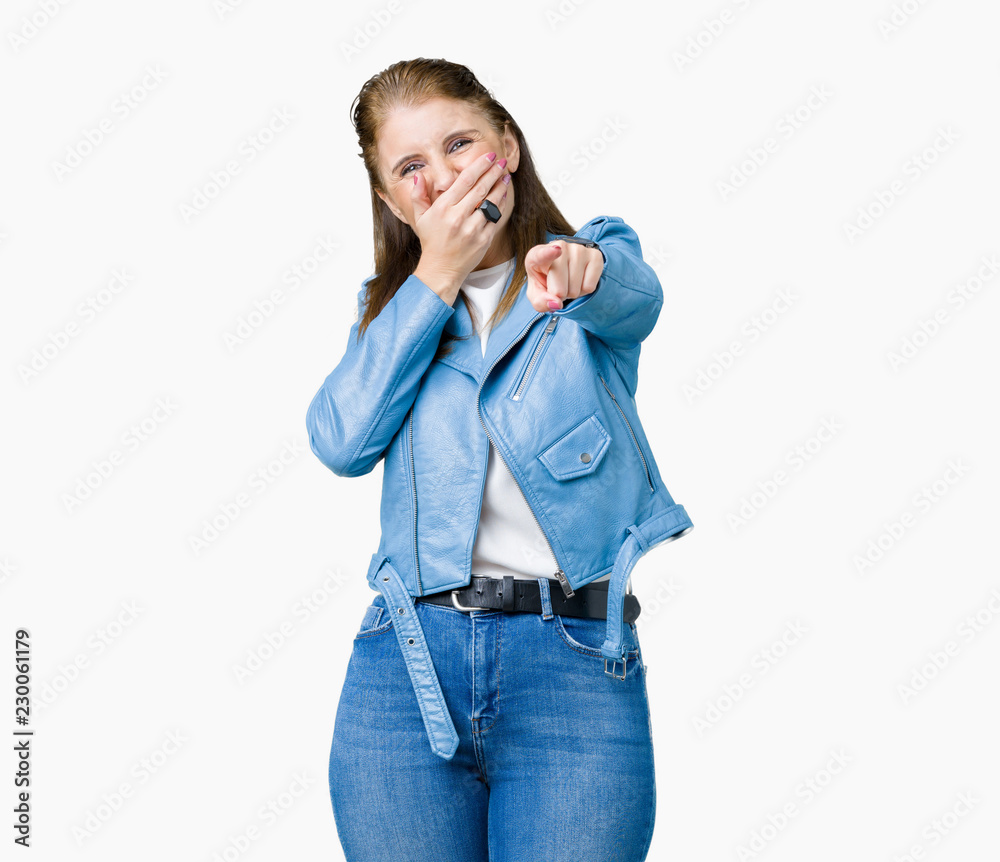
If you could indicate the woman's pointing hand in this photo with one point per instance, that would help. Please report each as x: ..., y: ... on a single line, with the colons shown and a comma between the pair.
x: 559, y: 271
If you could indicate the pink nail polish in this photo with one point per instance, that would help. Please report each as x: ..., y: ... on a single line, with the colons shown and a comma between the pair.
x: 491, y: 156
x: 553, y: 304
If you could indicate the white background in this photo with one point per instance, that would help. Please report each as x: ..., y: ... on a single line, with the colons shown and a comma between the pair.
x: 648, y: 112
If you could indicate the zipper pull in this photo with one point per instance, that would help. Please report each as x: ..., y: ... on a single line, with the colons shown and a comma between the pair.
x: 564, y: 583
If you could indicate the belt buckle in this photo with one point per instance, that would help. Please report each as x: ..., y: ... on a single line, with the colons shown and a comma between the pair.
x: 614, y: 661
x: 455, y: 602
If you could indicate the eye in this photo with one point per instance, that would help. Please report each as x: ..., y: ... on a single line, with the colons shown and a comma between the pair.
x: 454, y: 146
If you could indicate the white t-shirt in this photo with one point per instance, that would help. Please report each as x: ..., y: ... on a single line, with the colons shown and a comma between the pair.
x: 509, y: 540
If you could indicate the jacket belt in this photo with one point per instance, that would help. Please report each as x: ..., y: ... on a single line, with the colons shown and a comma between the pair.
x: 671, y: 523
x: 410, y: 634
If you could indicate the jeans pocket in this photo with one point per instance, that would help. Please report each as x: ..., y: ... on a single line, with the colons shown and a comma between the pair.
x: 376, y: 619
x: 587, y: 635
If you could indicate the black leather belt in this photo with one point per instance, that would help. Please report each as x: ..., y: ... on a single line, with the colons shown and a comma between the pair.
x: 517, y: 595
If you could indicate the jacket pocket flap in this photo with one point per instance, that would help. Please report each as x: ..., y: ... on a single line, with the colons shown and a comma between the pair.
x: 579, y: 451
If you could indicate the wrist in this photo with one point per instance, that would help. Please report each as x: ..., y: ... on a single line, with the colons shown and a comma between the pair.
x: 443, y: 282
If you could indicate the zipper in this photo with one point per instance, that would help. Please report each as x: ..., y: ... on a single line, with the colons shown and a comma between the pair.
x: 534, y: 356
x: 559, y: 573
x: 621, y: 412
x: 413, y: 486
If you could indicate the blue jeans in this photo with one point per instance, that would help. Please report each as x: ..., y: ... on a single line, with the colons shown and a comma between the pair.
x: 555, y: 757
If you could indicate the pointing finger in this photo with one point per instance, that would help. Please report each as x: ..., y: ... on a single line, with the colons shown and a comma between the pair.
x: 557, y: 279
x: 540, y: 259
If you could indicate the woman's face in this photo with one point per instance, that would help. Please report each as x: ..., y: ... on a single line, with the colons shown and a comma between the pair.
x: 438, y: 138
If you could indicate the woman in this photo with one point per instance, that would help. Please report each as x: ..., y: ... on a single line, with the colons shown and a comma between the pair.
x: 493, y: 366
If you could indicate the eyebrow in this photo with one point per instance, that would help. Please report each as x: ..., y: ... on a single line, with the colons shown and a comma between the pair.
x: 399, y: 164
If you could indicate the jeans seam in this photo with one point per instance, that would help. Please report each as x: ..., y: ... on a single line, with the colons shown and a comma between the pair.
x: 652, y: 760
x: 496, y: 718
x: 379, y: 629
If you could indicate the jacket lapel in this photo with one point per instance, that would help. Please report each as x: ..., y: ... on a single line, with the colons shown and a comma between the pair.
x: 467, y: 353
x: 502, y: 336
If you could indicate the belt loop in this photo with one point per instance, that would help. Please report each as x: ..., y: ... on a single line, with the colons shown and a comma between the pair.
x: 508, y: 593
x: 543, y: 592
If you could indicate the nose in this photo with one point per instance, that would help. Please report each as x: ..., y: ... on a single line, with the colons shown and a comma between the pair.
x: 439, y: 178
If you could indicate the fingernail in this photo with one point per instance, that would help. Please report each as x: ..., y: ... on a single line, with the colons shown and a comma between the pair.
x: 491, y: 156
x: 501, y: 163
x: 506, y: 178
x: 553, y: 304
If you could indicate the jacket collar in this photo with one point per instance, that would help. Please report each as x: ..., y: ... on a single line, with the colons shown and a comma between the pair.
x: 467, y: 353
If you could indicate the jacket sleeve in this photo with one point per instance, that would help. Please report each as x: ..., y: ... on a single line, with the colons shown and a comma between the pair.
x: 623, y: 309
x: 363, y: 401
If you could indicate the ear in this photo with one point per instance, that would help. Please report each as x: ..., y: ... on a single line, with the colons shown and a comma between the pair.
x: 396, y: 211
x: 511, y: 149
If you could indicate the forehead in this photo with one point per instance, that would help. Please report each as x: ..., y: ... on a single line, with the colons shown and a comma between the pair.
x: 415, y: 128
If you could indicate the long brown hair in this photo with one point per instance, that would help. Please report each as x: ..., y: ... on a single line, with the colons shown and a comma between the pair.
x: 397, y: 248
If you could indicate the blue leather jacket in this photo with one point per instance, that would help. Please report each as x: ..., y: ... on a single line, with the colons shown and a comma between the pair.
x: 555, y: 394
